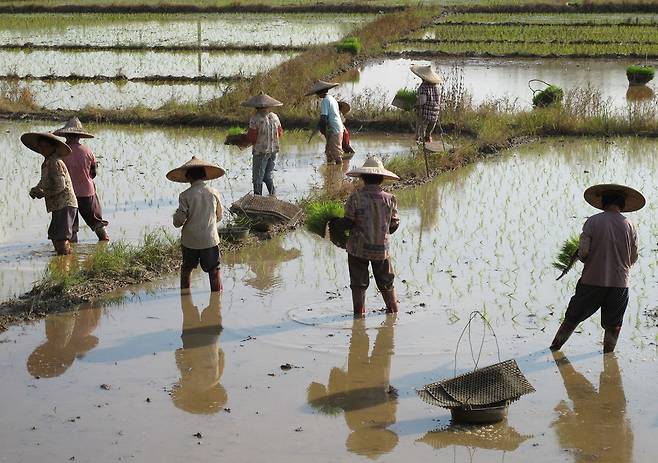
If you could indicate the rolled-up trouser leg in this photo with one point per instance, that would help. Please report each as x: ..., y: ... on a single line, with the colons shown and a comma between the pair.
x: 334, y: 148
x: 89, y: 207
x: 61, y: 224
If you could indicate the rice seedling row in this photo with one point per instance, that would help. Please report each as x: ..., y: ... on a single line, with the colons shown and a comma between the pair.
x: 573, y: 19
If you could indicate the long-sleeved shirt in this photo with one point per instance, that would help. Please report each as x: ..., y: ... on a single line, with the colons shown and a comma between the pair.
x: 329, y: 109
x: 608, y: 247
x: 55, y: 185
x: 80, y: 163
x: 374, y: 213
x: 199, y: 210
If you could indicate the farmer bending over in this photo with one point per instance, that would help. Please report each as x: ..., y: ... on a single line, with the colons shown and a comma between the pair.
x: 374, y: 216
x: 55, y: 187
x: 199, y: 210
x: 608, y: 247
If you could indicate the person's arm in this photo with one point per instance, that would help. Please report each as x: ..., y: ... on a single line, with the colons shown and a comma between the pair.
x: 421, y: 96
x: 585, y: 241
x: 180, y: 216
x: 55, y: 181
x: 92, y: 164
x: 634, y: 255
x: 37, y: 190
x: 324, y: 117
x: 279, y: 127
x: 219, y: 209
x: 252, y: 133
x: 395, y: 218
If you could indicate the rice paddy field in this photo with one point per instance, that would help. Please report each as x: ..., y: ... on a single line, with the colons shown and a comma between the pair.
x: 454, y: 253
x: 276, y: 366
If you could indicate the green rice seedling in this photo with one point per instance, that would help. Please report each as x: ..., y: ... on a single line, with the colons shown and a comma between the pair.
x: 551, y: 95
x: 319, y: 213
x: 640, y: 75
x: 232, y: 131
x: 349, y: 45
x: 565, y: 258
x: 405, y: 98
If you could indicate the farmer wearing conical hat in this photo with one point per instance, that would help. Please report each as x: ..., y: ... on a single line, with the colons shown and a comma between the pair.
x: 199, y: 210
x: 330, y: 124
x: 427, y: 103
x: 264, y: 133
x: 608, y: 248
x: 55, y: 187
x: 373, y: 214
x: 82, y: 168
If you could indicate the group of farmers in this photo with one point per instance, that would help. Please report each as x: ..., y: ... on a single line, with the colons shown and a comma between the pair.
x: 608, y: 243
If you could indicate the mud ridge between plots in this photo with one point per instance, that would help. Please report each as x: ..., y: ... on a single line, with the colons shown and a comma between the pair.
x: 473, y: 54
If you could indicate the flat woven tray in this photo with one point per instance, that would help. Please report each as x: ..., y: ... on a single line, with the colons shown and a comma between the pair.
x: 258, y: 206
x: 488, y: 386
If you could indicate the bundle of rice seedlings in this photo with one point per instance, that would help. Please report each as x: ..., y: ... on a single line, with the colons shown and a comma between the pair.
x: 547, y: 97
x: 235, y: 136
x: 319, y: 213
x: 568, y: 255
x: 639, y: 75
x: 349, y: 45
x: 339, y: 231
x: 405, y: 99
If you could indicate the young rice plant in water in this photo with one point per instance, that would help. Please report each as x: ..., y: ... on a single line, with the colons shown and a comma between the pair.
x: 567, y: 252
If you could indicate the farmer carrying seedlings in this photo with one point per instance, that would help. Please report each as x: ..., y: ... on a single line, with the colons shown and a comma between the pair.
x: 199, y: 210
x: 264, y: 133
x: 330, y: 124
x: 373, y: 214
x: 608, y: 248
x: 55, y: 187
x: 82, y: 169
x: 427, y: 102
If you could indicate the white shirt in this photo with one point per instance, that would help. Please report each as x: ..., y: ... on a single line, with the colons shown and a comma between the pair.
x: 199, y: 210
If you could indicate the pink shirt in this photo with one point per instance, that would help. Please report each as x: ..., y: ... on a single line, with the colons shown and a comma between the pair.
x: 608, y: 246
x: 79, y: 164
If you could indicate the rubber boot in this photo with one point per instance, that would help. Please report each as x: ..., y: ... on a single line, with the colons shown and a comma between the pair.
x: 102, y: 234
x: 563, y: 333
x: 62, y: 248
x: 359, y: 302
x: 215, y: 281
x: 185, y: 280
x: 610, y: 339
x: 391, y: 301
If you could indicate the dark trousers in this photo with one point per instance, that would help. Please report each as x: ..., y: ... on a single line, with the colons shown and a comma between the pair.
x: 208, y: 258
x: 61, y: 224
x: 588, y: 299
x: 90, y: 209
x: 382, y: 270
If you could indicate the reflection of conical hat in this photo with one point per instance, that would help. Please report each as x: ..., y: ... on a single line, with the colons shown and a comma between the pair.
x: 263, y: 100
x: 634, y: 199
x: 426, y: 73
x: 372, y: 166
x: 31, y: 140
x: 178, y: 174
x: 73, y: 127
x: 320, y: 86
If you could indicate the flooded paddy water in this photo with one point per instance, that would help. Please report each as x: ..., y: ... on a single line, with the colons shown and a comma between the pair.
x: 493, y: 78
x: 179, y: 386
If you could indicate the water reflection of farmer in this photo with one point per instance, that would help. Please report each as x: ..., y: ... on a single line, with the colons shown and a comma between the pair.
x: 596, y: 428
x: 363, y: 392
x: 200, y: 360
x: 68, y: 336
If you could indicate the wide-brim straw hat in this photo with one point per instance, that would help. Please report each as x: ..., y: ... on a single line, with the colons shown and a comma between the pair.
x: 263, y: 100
x: 31, y: 140
x: 426, y: 73
x: 320, y: 86
x: 634, y: 199
x: 372, y: 166
x: 213, y: 171
x: 344, y: 107
x: 73, y: 127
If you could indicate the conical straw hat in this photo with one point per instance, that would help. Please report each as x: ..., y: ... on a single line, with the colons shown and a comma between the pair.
x: 263, y: 100
x: 31, y: 140
x: 634, y: 199
x: 178, y: 174
x: 319, y: 86
x: 372, y: 166
x: 344, y: 107
x: 73, y: 127
x: 426, y: 73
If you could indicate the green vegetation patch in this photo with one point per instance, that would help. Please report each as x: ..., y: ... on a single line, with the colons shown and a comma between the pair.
x: 405, y: 98
x: 319, y: 213
x: 640, y: 75
x: 568, y: 250
x: 549, y: 96
x: 349, y: 45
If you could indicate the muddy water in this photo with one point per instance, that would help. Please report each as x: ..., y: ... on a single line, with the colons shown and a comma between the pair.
x: 138, y: 64
x: 133, y: 190
x: 109, y: 95
x: 220, y: 29
x: 488, y: 79
x: 481, y: 238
